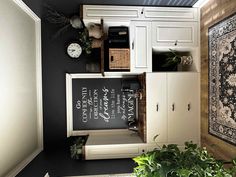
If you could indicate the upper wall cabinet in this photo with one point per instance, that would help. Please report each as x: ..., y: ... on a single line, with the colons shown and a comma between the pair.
x: 140, y: 35
x: 151, y: 29
x: 139, y: 13
x: 106, y: 12
x: 174, y: 14
x: 175, y: 34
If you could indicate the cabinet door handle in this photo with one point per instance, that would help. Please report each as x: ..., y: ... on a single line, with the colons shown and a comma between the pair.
x: 142, y: 11
x: 157, y: 107
x: 189, y: 107
x: 176, y: 42
x: 173, y: 107
x: 133, y: 45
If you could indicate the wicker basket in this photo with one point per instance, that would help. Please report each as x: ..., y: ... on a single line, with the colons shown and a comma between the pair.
x: 119, y: 58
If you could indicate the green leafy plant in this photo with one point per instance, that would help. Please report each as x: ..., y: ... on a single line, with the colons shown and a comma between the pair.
x: 85, y: 41
x: 170, y: 161
x: 76, y: 149
x: 173, y: 59
x: 65, y: 22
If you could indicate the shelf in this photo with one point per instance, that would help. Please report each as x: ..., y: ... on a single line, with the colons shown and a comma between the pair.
x: 102, y: 49
x: 159, y: 56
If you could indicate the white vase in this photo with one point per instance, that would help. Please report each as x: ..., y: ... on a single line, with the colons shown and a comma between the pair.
x: 186, y: 60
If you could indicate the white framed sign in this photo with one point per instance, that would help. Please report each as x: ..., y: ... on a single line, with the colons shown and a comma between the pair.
x: 97, y: 104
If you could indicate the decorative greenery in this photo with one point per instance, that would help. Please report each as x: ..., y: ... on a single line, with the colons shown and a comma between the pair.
x: 85, y: 41
x: 76, y: 148
x: 75, y: 22
x: 173, y: 59
x: 57, y: 18
x: 170, y: 161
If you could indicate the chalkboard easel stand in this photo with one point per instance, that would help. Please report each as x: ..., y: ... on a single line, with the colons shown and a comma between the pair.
x: 102, y: 48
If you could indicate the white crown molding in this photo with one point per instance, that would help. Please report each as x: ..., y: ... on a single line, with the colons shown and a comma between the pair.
x: 26, y: 9
x: 24, y: 163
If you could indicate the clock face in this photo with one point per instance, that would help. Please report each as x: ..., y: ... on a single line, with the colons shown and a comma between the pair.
x: 74, y: 50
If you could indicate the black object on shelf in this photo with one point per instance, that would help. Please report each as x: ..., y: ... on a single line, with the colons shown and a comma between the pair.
x: 158, y: 60
x: 130, y: 85
x: 118, y: 37
x: 118, y: 48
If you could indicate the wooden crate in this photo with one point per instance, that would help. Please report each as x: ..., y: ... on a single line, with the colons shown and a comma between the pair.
x: 119, y: 58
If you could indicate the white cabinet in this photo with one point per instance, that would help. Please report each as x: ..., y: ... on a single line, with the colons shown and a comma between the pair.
x: 171, y: 13
x: 141, y: 50
x: 156, y: 90
x: 139, y: 13
x: 111, y: 12
x: 113, y: 151
x: 183, y: 107
x: 174, y: 34
x: 113, y: 144
x: 157, y: 28
x: 173, y: 107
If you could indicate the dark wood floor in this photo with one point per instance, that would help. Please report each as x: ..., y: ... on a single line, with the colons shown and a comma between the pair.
x: 58, y: 163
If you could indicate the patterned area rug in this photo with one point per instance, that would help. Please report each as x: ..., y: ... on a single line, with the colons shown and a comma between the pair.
x: 222, y: 80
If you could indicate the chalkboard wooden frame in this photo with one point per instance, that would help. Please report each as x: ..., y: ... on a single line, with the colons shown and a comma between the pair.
x: 69, y: 106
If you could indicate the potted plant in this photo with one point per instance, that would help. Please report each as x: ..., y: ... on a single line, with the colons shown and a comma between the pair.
x: 76, y: 149
x: 170, y: 161
x: 173, y: 59
x: 75, y: 22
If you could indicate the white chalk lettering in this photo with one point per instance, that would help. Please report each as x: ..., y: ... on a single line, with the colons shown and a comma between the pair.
x: 78, y: 104
x: 84, y: 105
x: 118, y: 99
x: 84, y: 116
x: 95, y: 103
x: 113, y: 115
x: 84, y: 97
x: 105, y: 115
x: 130, y: 109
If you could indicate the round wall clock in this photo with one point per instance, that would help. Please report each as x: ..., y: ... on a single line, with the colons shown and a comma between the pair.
x: 74, y: 50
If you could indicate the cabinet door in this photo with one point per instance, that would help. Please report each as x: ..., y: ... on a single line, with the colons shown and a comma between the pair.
x: 156, y: 107
x: 111, y: 12
x: 174, y: 34
x: 113, y: 151
x: 171, y: 13
x: 183, y: 107
x: 140, y: 42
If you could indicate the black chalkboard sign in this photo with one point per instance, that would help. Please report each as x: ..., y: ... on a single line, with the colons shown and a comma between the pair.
x: 99, y: 103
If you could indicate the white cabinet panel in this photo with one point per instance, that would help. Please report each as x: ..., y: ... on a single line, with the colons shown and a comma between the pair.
x: 156, y: 107
x: 183, y: 107
x: 113, y: 151
x: 105, y: 12
x: 140, y: 38
x: 174, y: 34
x: 139, y: 13
x: 178, y: 117
x: 170, y: 13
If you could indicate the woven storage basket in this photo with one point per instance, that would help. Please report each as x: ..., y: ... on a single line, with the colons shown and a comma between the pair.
x: 119, y: 58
